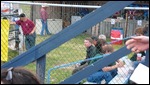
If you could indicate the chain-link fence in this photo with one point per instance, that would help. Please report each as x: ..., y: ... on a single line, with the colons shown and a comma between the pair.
x: 58, y: 19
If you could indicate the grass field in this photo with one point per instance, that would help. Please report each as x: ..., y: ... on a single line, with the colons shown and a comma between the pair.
x: 71, y: 51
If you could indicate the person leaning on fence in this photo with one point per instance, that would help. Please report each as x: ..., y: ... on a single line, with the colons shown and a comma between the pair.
x: 44, y: 17
x: 90, y: 52
x: 107, y: 72
x: 18, y: 75
x: 28, y: 28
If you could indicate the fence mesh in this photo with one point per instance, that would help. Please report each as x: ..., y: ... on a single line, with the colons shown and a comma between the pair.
x: 74, y: 50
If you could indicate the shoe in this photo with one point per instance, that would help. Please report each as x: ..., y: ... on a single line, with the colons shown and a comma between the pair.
x: 49, y: 34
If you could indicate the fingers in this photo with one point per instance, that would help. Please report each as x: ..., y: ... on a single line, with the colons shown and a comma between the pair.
x: 134, y: 49
x: 130, y: 41
x: 130, y: 45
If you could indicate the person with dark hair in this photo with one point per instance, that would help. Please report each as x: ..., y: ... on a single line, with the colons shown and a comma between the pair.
x: 18, y: 75
x: 97, y: 44
x: 28, y: 28
x: 4, y: 17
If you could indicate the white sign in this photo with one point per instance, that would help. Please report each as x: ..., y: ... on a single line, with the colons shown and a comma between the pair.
x: 112, y: 21
x: 75, y: 18
x: 139, y: 22
x: 140, y: 74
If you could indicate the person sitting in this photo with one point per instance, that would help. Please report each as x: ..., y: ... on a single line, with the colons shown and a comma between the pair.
x: 107, y: 72
x: 140, y: 56
x: 90, y: 52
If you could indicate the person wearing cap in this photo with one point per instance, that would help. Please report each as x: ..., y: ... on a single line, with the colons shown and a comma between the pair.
x: 44, y: 17
x: 28, y: 28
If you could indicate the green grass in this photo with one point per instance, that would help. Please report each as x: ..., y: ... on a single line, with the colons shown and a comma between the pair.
x: 71, y: 51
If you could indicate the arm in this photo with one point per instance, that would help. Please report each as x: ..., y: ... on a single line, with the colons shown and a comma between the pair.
x: 119, y: 63
x: 11, y: 22
x: 32, y: 26
x: 109, y: 68
x: 33, y: 30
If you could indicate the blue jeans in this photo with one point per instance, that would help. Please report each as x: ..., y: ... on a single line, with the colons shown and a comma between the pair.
x: 30, y: 40
x: 136, y: 63
x: 99, y: 76
x: 44, y: 27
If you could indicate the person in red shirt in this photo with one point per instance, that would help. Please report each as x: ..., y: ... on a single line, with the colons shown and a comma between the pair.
x: 44, y: 17
x: 28, y: 28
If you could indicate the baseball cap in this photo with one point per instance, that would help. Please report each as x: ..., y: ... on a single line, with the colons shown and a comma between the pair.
x: 44, y: 5
x: 22, y: 15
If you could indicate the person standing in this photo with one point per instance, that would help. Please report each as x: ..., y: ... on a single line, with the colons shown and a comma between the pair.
x: 28, y: 28
x: 44, y: 17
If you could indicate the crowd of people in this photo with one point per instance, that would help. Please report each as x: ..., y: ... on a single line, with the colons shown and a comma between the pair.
x: 98, y: 46
x: 133, y: 14
x: 95, y: 45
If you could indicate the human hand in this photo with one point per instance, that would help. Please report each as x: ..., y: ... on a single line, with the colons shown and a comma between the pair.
x: 31, y: 33
x: 138, y: 43
x: 138, y: 58
x: 105, y: 69
x: 120, y: 63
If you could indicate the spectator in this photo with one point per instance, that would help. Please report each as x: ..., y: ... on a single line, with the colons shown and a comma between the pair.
x: 136, y: 58
x: 90, y: 52
x: 18, y: 75
x: 102, y: 39
x: 107, y: 72
x: 146, y: 29
x: 44, y: 17
x: 28, y: 28
x: 97, y: 44
x: 101, y: 36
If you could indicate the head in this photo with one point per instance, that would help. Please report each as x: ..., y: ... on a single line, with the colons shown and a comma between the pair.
x: 44, y: 6
x: 139, y: 31
x: 146, y: 29
x: 107, y: 48
x: 22, y: 17
x: 18, y: 75
x: 102, y: 37
x: 95, y: 40
x: 5, y: 18
x: 88, y: 42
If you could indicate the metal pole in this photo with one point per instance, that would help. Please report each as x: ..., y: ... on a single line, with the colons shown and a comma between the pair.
x: 69, y: 5
x: 126, y: 25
